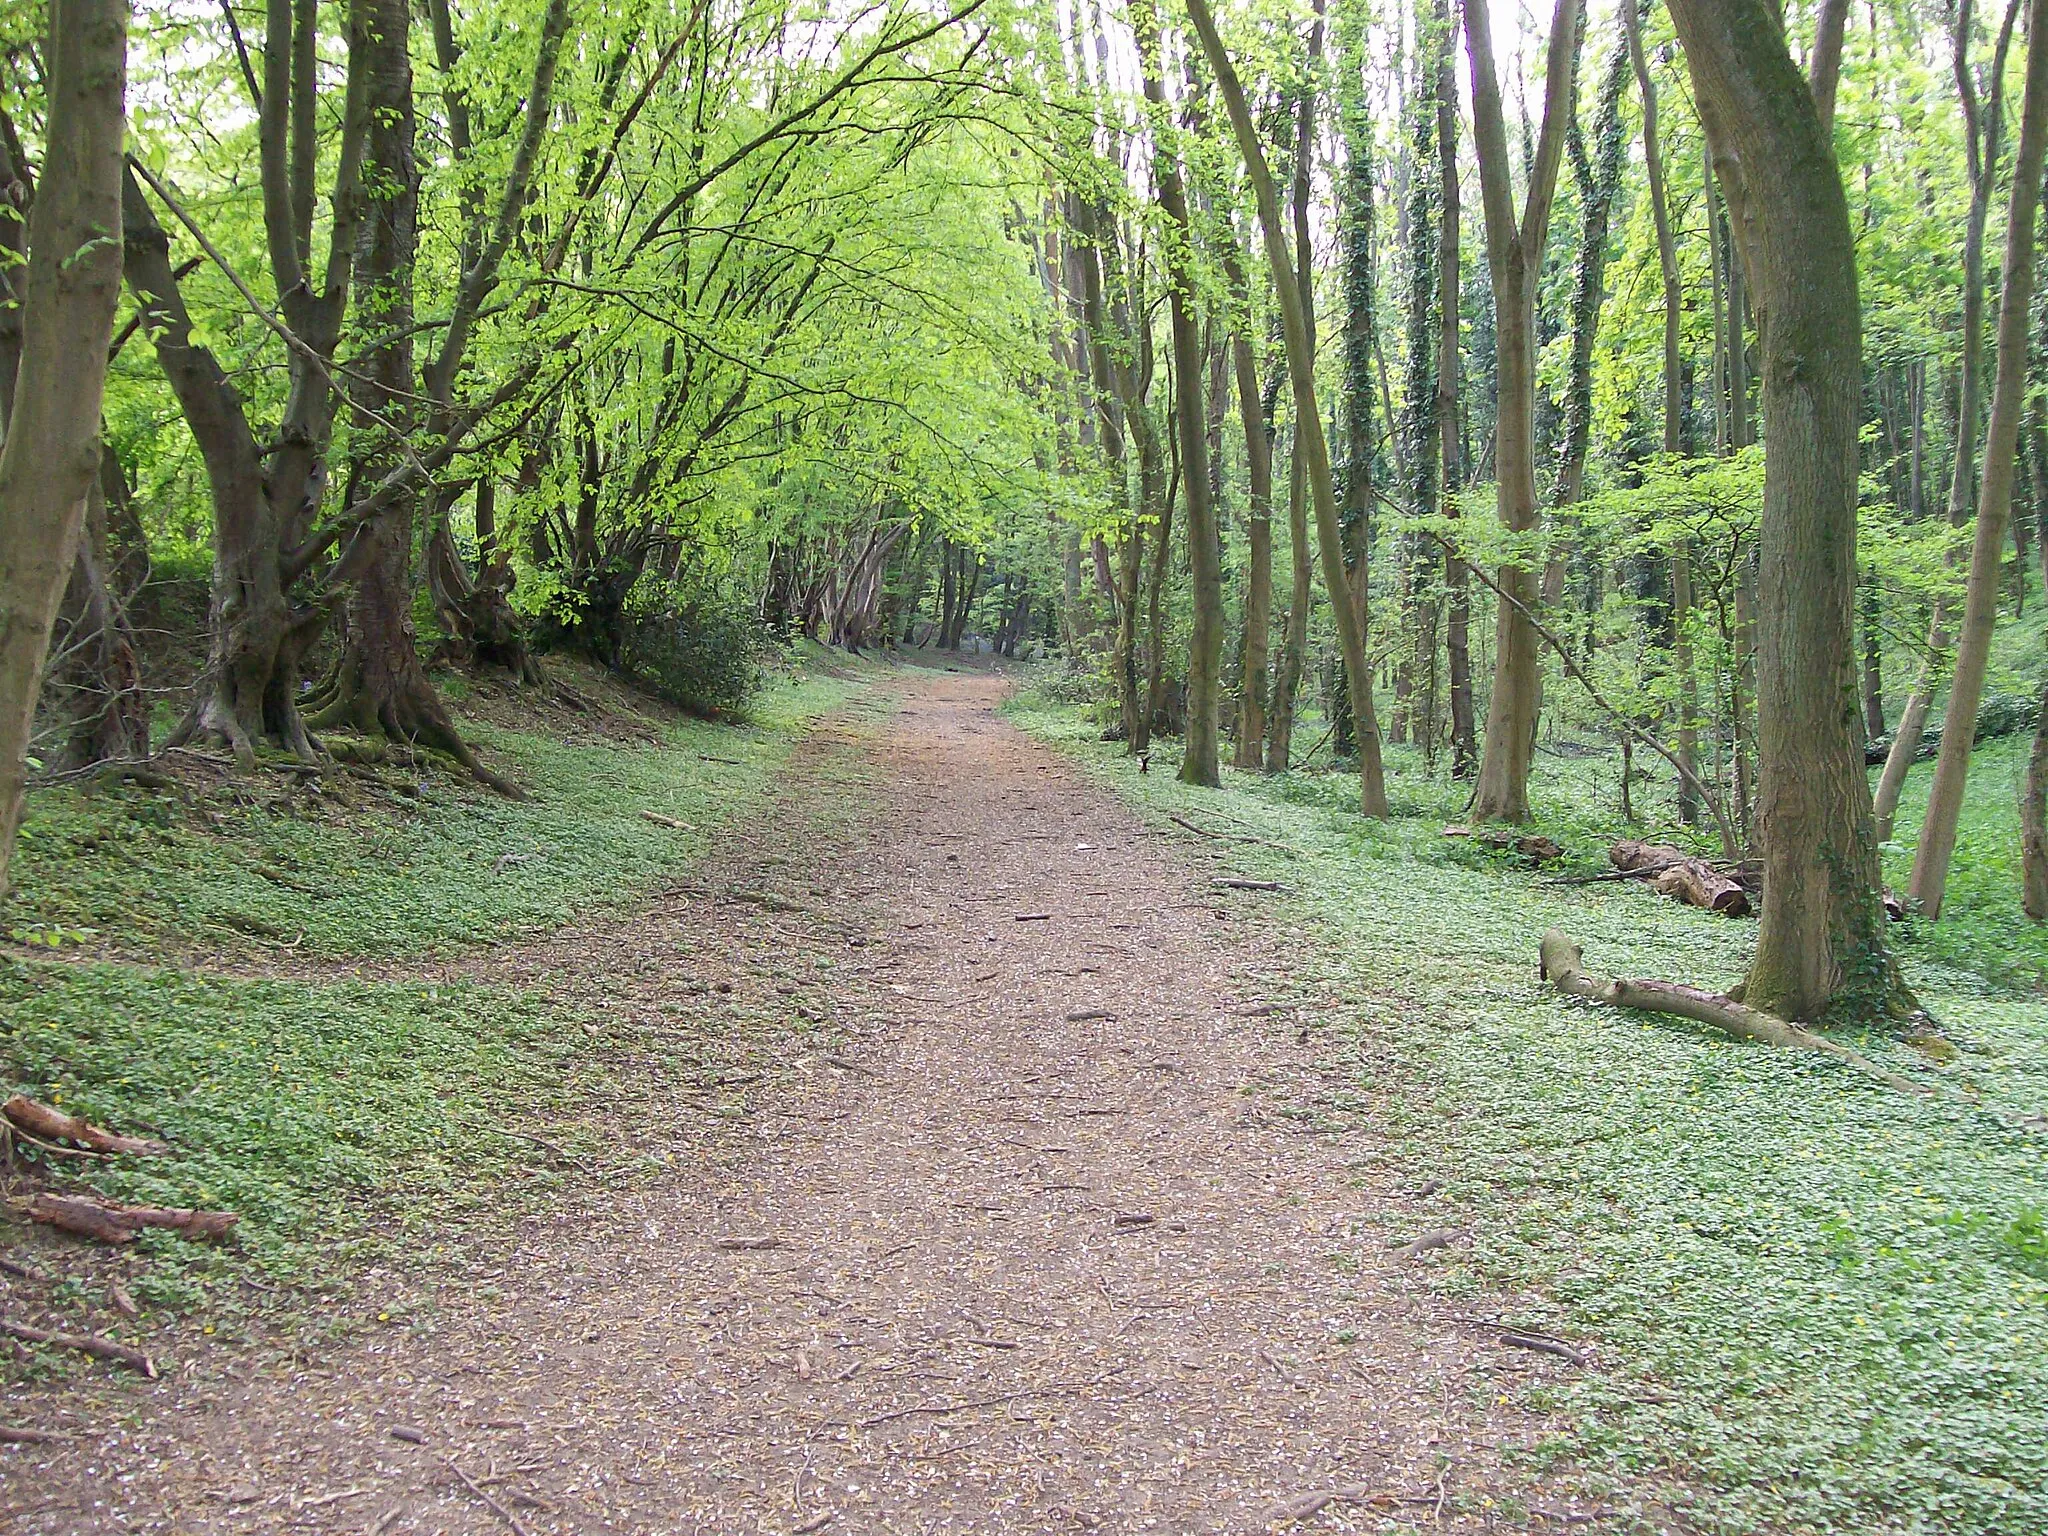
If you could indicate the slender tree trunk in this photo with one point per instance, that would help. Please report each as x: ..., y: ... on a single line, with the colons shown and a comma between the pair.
x: 69, y: 290
x: 2034, y: 822
x: 1421, y: 423
x: 1457, y: 580
x: 1205, y: 569
x: 1687, y: 745
x: 1294, y: 639
x: 1514, y: 247
x: 1258, y: 591
x: 1994, y: 498
x: 1308, y: 427
x: 1873, y: 659
x: 1821, y: 945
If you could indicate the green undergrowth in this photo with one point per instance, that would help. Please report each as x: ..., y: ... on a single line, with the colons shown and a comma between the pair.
x: 444, y: 863
x: 341, y: 1116
x: 1813, y: 1303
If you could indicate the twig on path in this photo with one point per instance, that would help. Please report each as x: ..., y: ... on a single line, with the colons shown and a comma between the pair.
x: 12, y: 1436
x: 478, y: 1489
x: 1542, y: 1344
x: 1239, y: 883
x: 815, y: 1523
x: 667, y: 821
x: 1304, y: 1506
x: 1227, y: 837
x: 939, y: 1410
x: 1443, y: 1237
x: 746, y: 1244
x: 85, y: 1343
x: 1090, y: 1016
x: 1034, y: 917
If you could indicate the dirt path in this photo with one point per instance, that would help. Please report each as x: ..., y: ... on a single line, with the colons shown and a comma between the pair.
x: 1043, y: 1250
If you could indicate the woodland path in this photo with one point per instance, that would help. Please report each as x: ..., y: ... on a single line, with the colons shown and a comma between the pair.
x: 1055, y: 1249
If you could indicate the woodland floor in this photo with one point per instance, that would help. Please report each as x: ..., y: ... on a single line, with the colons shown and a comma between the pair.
x: 1049, y: 1227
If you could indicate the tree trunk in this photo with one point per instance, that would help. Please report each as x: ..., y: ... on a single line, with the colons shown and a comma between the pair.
x: 379, y: 686
x: 1514, y: 249
x: 1258, y: 591
x: 1308, y: 426
x: 97, y: 681
x: 2034, y: 822
x: 1821, y: 945
x: 1294, y: 639
x: 68, y: 294
x: 1457, y: 580
x: 1205, y: 570
x: 1994, y: 498
x: 1674, y: 409
x: 1421, y: 425
x: 1873, y: 660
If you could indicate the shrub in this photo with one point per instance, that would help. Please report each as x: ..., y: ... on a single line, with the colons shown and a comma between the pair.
x: 698, y: 650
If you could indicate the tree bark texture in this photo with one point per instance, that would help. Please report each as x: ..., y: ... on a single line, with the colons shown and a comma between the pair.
x: 1820, y: 949
x: 69, y: 290
x: 1514, y: 250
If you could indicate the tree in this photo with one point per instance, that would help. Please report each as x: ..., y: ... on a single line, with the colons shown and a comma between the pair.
x: 1994, y: 497
x: 1821, y: 946
x: 1309, y: 443
x: 1514, y: 256
x: 52, y: 449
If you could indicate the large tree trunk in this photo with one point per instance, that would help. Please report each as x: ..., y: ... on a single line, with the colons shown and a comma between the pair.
x: 1514, y: 250
x: 99, y: 699
x: 1994, y: 498
x: 379, y: 686
x: 68, y: 294
x: 1821, y: 947
x: 1309, y: 442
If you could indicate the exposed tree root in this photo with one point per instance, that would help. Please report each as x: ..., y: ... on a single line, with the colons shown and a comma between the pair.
x: 409, y: 711
x: 1560, y: 959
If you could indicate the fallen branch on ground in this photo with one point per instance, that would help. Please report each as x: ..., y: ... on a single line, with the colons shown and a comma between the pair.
x: 85, y: 1343
x: 1559, y: 961
x: 106, y: 1221
x: 38, y: 1119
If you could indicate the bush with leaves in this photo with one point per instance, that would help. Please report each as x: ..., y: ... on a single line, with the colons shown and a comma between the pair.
x: 700, y: 650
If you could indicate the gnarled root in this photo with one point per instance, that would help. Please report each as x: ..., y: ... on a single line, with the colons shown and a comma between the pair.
x: 1561, y: 957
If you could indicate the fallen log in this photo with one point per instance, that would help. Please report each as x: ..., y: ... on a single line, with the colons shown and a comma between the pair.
x: 107, y: 1221
x: 1559, y: 961
x: 1677, y: 874
x: 37, y: 1119
x: 85, y: 1343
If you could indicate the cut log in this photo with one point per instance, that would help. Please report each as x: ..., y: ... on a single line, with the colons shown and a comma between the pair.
x: 1698, y: 886
x: 106, y: 1221
x: 1559, y: 962
x: 54, y: 1125
x: 1677, y: 874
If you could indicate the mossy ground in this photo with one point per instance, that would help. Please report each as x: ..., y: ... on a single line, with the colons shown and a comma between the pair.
x: 1815, y: 1304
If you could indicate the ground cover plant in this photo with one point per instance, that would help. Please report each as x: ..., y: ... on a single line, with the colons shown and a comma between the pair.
x: 1813, y: 1303
x: 350, y: 1118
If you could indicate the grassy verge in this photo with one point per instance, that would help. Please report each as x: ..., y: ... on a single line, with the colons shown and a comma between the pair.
x: 338, y: 1115
x: 1816, y: 1304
